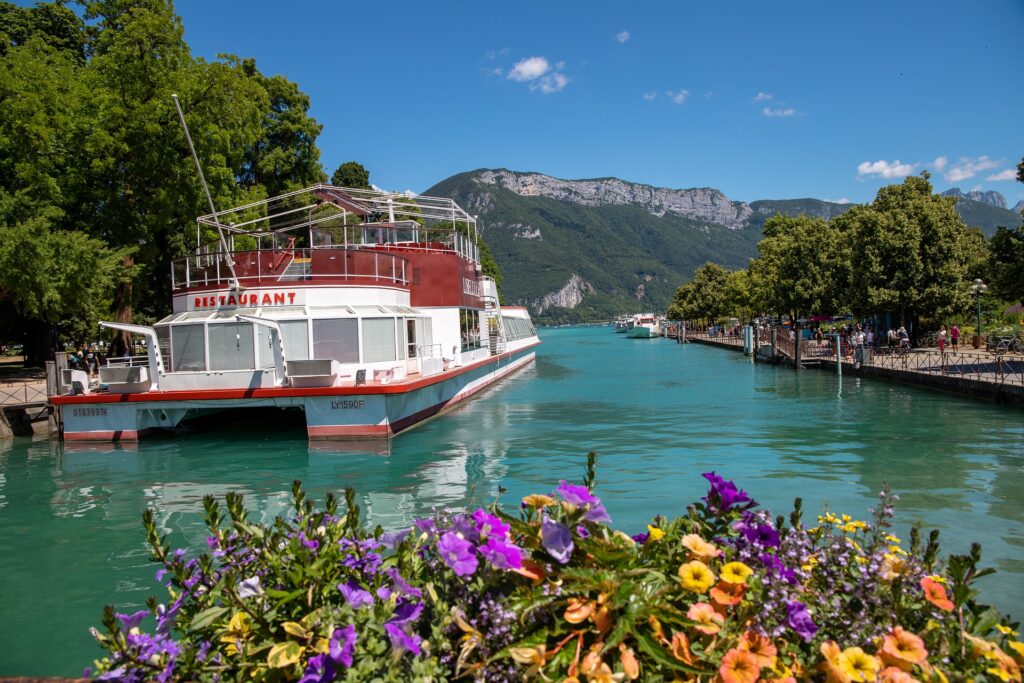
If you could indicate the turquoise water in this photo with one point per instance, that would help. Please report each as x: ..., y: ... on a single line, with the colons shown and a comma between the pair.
x: 657, y: 413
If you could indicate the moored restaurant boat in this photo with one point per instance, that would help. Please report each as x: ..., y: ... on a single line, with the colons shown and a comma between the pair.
x: 367, y: 310
x: 621, y: 325
x: 643, y: 326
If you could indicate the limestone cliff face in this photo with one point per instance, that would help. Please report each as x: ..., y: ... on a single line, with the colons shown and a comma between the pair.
x: 703, y: 203
x: 991, y: 197
x: 568, y: 296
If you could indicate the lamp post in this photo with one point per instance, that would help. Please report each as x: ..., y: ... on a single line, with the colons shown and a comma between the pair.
x: 977, y: 289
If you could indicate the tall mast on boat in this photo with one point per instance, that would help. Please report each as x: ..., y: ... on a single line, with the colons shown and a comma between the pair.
x: 213, y: 210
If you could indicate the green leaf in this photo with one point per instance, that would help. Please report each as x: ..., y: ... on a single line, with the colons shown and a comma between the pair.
x: 294, y: 629
x: 662, y: 656
x: 985, y: 621
x: 284, y: 654
x: 206, y: 617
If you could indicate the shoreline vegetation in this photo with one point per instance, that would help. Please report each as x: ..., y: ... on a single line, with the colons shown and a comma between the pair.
x: 907, y: 258
x: 548, y: 590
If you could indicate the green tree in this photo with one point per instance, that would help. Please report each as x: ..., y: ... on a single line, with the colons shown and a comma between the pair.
x: 351, y: 174
x: 910, y: 252
x: 285, y: 157
x: 1006, y: 263
x: 703, y: 296
x: 802, y: 267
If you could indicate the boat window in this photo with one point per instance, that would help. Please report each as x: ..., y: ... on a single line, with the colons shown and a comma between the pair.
x: 163, y: 342
x: 231, y: 346
x: 337, y: 339
x: 188, y: 348
x: 296, y: 339
x: 469, y: 323
x: 275, y: 312
x: 196, y: 315
x: 379, y: 340
x: 232, y: 312
x: 410, y: 337
x: 264, y: 347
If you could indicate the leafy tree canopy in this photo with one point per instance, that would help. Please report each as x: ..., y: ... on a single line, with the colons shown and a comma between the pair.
x: 351, y: 174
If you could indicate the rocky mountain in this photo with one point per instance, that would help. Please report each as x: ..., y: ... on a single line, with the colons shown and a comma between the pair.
x: 578, y: 250
x: 990, y: 197
x: 1018, y: 207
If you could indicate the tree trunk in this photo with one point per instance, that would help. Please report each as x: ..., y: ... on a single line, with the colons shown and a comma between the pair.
x: 120, y: 345
x: 40, y: 343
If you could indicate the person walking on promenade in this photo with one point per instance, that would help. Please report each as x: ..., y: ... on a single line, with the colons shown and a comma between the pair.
x: 954, y: 337
x: 942, y: 340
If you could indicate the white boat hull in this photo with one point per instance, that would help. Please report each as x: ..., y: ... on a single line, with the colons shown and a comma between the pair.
x: 363, y: 412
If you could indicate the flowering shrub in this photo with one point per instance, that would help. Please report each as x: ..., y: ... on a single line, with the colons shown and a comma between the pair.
x: 723, y: 593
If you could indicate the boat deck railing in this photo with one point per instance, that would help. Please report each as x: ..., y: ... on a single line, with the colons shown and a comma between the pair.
x: 288, y: 267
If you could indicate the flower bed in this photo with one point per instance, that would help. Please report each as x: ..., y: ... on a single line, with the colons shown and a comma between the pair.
x: 723, y: 593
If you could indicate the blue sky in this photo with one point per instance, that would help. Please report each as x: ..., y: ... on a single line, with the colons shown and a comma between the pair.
x: 758, y: 99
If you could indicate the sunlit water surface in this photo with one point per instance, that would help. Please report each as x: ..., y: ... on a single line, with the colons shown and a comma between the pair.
x: 658, y: 414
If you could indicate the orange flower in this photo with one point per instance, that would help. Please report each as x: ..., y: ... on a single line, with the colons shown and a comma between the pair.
x: 936, y: 594
x: 902, y: 649
x: 892, y: 674
x: 709, y: 621
x: 699, y: 548
x: 532, y: 570
x: 833, y: 672
x: 680, y: 648
x: 630, y: 665
x: 728, y: 593
x: 578, y: 611
x: 739, y: 666
x: 761, y: 647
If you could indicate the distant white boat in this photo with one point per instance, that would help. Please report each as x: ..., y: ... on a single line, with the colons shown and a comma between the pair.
x: 643, y: 326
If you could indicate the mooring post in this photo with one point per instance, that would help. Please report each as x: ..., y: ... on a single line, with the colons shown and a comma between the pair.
x: 839, y: 353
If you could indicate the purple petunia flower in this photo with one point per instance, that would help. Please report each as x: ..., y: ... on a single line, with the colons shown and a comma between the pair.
x: 557, y: 540
x: 761, y: 534
x: 391, y: 539
x: 343, y: 645
x: 426, y: 525
x: 406, y: 612
x: 582, y: 532
x: 640, y: 538
x: 724, y: 494
x: 465, y: 528
x: 778, y: 568
x: 402, y: 641
x: 310, y: 543
x: 597, y: 514
x: 800, y: 621
x: 488, y: 525
x: 457, y: 553
x: 401, y: 586
x: 575, y: 494
x: 383, y: 592
x: 502, y: 554
x: 319, y: 669
x: 354, y: 594
x: 130, y: 621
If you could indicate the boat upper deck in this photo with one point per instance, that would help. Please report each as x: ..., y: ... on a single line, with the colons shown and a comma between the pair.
x: 326, y: 235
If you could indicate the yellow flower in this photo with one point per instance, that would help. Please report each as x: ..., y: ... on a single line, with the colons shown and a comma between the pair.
x: 534, y: 656
x: 827, y: 518
x: 859, y: 665
x: 696, y: 576
x: 896, y: 550
x: 937, y: 579
x: 893, y: 567
x: 1006, y: 630
x: 999, y: 672
x: 892, y: 539
x: 736, y: 572
x: 847, y: 518
x: 1017, y: 647
x: 654, y: 534
x: 699, y: 548
x: 538, y: 500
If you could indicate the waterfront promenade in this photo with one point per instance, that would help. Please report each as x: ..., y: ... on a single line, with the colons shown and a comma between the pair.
x: 970, y: 372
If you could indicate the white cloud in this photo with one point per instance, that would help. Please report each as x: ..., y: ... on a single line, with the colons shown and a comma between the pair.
x: 885, y: 169
x: 494, y: 54
x: 1008, y: 174
x: 762, y: 97
x: 528, y: 69
x: 841, y: 200
x: 496, y: 71
x: 551, y: 83
x: 966, y: 167
x: 940, y: 163
x: 976, y: 188
x: 709, y: 94
x: 678, y: 96
x: 779, y: 111
x: 649, y: 96
x: 622, y: 36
